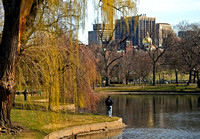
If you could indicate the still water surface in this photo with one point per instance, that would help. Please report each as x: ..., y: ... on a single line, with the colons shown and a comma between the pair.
x: 156, y: 117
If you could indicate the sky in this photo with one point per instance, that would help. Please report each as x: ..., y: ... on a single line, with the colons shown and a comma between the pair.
x: 165, y: 11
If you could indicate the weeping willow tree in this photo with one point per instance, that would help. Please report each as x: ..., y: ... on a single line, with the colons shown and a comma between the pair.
x: 31, y: 50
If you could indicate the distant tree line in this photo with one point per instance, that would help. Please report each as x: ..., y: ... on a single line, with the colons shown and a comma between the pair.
x: 177, y: 55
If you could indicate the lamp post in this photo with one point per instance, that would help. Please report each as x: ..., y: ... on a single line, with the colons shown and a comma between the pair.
x: 194, y: 75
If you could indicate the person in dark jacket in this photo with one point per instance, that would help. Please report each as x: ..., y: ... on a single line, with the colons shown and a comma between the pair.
x: 109, y: 103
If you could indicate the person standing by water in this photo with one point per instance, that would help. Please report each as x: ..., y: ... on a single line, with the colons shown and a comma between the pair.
x: 109, y: 103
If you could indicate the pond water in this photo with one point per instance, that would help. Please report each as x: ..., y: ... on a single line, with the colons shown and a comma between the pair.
x: 156, y: 116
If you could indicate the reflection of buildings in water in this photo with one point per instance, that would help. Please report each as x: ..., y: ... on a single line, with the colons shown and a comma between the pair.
x: 151, y: 114
x: 148, y: 110
x: 135, y: 110
x: 161, y: 114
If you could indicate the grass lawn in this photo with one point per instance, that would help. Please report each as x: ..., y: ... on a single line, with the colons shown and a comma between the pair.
x: 37, y: 123
x: 123, y: 88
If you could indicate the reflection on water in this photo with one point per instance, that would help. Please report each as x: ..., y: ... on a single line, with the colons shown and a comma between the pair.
x: 159, y: 133
x: 161, y: 116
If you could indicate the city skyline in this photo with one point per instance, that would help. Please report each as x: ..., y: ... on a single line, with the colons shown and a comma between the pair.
x: 180, y: 10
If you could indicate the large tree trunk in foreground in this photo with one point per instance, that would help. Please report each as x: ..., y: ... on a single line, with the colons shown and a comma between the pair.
x: 16, y: 14
x: 8, y: 56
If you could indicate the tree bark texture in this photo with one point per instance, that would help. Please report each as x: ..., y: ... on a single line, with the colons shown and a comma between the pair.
x: 25, y: 8
x: 107, y: 77
x: 16, y: 14
x: 190, y: 76
x: 154, y: 74
x: 8, y: 56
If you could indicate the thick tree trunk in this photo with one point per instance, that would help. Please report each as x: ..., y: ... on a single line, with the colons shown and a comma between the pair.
x: 6, y: 99
x: 190, y: 77
x: 154, y: 74
x: 198, y: 80
x: 127, y: 79
x: 107, y: 77
x: 8, y: 56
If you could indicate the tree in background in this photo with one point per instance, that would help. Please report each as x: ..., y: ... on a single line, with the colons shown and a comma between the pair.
x: 121, y: 71
x: 107, y: 54
x: 126, y: 67
x: 173, y: 60
x: 142, y: 66
x: 155, y: 53
x: 189, y: 51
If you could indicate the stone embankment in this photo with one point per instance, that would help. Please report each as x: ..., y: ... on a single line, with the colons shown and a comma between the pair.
x: 95, y: 128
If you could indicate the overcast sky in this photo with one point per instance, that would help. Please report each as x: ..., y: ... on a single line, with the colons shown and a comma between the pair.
x: 165, y: 11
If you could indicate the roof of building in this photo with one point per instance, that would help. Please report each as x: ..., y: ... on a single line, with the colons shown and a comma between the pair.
x: 164, y: 23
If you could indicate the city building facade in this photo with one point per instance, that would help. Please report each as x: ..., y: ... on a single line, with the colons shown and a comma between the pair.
x: 135, y: 29
x: 162, y: 31
x: 100, y: 34
x: 185, y: 34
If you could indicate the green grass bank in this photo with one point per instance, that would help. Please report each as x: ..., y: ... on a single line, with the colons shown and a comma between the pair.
x: 36, y: 122
x: 158, y: 88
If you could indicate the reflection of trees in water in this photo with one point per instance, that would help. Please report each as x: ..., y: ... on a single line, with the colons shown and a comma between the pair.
x: 149, y: 110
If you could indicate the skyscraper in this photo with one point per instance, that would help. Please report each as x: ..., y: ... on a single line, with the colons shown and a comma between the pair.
x: 100, y: 33
x: 162, y: 30
x: 135, y: 29
x: 185, y: 34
